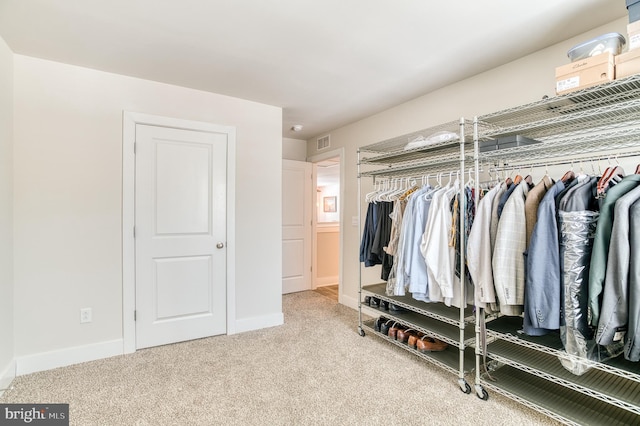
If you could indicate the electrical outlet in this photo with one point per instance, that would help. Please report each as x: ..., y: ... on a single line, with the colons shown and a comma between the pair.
x: 85, y: 315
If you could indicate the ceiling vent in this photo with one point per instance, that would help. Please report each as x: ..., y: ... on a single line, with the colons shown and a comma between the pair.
x: 324, y: 142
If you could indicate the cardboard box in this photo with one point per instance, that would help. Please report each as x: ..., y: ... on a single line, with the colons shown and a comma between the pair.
x: 585, y: 73
x: 633, y: 35
x: 628, y: 63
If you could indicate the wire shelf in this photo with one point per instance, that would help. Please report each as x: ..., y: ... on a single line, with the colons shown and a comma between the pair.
x: 439, y: 311
x: 506, y: 328
x: 398, y: 143
x: 442, y: 149
x: 428, y: 165
x: 448, y: 359
x: 569, y: 407
x: 586, y: 108
x: 595, y: 383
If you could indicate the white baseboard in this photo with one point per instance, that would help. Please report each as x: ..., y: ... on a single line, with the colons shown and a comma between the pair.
x: 349, y: 301
x: 257, y: 323
x: 325, y: 281
x: 63, y: 357
x: 7, y: 376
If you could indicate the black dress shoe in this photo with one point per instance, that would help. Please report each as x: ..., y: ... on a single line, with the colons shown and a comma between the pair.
x: 367, y: 300
x: 384, y: 305
x: 396, y: 308
x: 385, y: 326
x: 378, y: 323
x: 374, y: 302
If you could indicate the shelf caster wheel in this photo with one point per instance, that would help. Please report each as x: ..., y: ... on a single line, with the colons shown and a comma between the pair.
x: 361, y: 331
x: 481, y: 393
x: 464, y: 386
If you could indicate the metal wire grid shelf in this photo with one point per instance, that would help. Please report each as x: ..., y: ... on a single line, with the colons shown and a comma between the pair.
x: 616, y: 141
x: 433, y: 310
x: 594, y: 383
x: 597, y: 106
x: 397, y: 144
x: 427, y: 166
x: 507, y: 332
x: 447, y: 359
x: 448, y: 333
x: 551, y: 399
x: 440, y: 150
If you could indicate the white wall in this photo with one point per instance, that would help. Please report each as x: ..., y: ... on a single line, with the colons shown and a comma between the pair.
x: 294, y: 149
x: 6, y: 215
x: 68, y: 200
x: 522, y: 81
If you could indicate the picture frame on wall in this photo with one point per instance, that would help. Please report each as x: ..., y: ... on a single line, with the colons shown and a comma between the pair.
x: 329, y: 204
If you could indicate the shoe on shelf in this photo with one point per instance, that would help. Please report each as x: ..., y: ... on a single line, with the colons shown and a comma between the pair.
x: 413, y: 339
x: 393, y: 331
x: 384, y: 305
x: 385, y: 326
x: 374, y: 302
x: 396, y: 308
x: 403, y: 335
x: 378, y: 323
x: 429, y: 344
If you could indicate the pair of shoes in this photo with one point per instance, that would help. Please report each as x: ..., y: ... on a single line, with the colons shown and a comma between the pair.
x: 377, y: 324
x: 385, y: 326
x: 429, y: 344
x: 394, y: 330
x: 413, y: 339
x: 404, y: 335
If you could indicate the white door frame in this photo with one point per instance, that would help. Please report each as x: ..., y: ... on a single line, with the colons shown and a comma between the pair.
x: 130, y: 120
x: 315, y: 159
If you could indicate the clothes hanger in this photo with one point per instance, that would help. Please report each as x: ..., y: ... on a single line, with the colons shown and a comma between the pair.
x: 569, y: 175
x: 615, y: 174
x: 508, y: 181
x: 376, y: 187
x: 517, y: 178
x: 471, y: 182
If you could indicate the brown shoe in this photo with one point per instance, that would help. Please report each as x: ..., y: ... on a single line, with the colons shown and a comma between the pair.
x: 413, y: 339
x: 393, y: 331
x: 403, y: 335
x: 429, y: 344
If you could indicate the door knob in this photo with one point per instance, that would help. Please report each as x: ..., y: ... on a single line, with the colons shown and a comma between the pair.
x: 220, y: 245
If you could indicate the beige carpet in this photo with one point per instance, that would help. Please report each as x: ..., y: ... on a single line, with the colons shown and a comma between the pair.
x: 314, y: 370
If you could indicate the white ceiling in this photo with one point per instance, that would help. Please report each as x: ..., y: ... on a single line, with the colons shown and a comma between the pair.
x: 327, y: 63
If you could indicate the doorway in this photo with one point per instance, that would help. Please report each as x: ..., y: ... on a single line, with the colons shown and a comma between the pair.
x: 327, y: 232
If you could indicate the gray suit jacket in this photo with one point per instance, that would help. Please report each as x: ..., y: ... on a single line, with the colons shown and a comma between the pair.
x: 598, y: 267
x: 542, y: 288
x: 614, y: 312
x: 632, y: 341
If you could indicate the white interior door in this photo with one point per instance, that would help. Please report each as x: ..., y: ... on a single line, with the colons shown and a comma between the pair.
x: 180, y: 232
x: 296, y: 226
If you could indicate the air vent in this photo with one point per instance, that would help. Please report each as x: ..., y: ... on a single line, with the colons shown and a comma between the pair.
x: 324, y: 142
